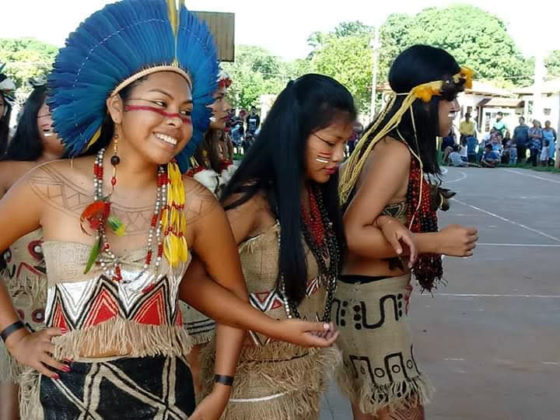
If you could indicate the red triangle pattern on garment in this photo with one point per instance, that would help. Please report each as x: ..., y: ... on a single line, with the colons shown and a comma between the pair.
x: 103, y: 308
x: 178, y: 316
x: 276, y: 303
x: 262, y: 296
x: 153, y: 310
x: 58, y: 319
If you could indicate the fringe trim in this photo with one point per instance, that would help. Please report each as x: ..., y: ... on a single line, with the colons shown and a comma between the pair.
x: 303, y: 379
x: 33, y: 286
x: 29, y: 398
x: 10, y: 369
x: 399, y: 395
x: 202, y: 338
x: 127, y: 338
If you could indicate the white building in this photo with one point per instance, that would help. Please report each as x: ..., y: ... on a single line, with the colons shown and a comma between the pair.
x: 484, y: 101
x: 549, y: 101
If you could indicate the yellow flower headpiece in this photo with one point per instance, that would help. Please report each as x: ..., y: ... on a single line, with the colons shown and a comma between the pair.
x: 424, y: 92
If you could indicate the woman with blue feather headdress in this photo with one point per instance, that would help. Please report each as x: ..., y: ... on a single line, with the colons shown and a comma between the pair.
x: 129, y: 95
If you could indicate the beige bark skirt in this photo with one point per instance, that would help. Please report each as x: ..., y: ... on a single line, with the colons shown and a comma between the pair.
x: 379, y: 370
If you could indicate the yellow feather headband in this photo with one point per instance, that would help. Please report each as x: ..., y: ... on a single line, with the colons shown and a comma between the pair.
x: 424, y: 92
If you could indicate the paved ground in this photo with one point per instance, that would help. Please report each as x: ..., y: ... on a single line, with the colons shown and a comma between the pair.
x: 490, y: 340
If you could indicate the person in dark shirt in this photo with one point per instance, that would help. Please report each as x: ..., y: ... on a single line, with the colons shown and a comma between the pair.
x: 521, y: 139
x: 490, y: 158
x: 535, y: 143
x: 253, y: 121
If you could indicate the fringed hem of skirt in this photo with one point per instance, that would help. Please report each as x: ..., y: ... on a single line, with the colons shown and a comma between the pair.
x: 127, y: 338
x: 33, y: 286
x: 29, y: 399
x: 295, y: 405
x: 371, y: 398
x: 293, y: 386
x: 10, y: 369
x: 202, y: 338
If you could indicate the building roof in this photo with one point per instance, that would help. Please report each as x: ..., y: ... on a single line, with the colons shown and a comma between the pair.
x: 548, y: 86
x: 502, y: 103
x: 488, y: 89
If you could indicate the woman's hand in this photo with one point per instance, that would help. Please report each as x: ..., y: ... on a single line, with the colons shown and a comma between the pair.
x: 305, y: 333
x: 36, y: 349
x: 400, y: 238
x: 213, y: 405
x: 457, y: 241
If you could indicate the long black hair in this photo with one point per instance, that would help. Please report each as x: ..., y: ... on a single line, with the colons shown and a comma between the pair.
x: 5, y: 125
x: 417, y: 65
x: 275, y: 166
x: 26, y: 144
x: 210, y: 146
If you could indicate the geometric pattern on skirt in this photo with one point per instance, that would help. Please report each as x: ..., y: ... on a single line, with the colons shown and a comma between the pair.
x: 85, y: 304
x: 129, y: 388
x: 200, y: 328
x: 25, y: 279
x: 379, y: 369
x: 270, y: 300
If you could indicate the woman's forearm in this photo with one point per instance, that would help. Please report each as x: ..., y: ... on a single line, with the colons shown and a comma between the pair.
x: 427, y: 243
x: 8, y: 316
x: 225, y: 307
x: 369, y: 242
x: 229, y: 342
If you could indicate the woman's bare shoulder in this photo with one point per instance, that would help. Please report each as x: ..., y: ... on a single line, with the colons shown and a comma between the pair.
x: 11, y: 171
x: 63, y: 184
x: 199, y: 200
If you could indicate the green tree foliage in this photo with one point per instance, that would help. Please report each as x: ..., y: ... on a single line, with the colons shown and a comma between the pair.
x: 393, y: 36
x: 552, y: 63
x: 355, y: 28
x: 26, y: 58
x: 257, y: 72
x: 349, y: 60
x: 474, y: 37
x: 345, y: 55
x: 254, y: 73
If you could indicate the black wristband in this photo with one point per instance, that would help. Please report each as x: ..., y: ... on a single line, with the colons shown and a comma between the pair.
x: 223, y: 379
x: 18, y: 325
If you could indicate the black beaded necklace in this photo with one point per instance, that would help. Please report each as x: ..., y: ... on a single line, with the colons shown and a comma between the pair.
x: 326, y: 254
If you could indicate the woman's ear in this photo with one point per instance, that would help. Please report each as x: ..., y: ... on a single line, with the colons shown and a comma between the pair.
x: 115, y: 108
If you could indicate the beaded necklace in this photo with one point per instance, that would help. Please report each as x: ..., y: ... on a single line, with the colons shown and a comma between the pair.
x: 422, y: 217
x: 168, y: 224
x: 321, y: 240
x: 98, y: 216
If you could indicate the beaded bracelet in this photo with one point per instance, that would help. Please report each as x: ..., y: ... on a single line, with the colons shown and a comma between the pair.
x: 18, y: 325
x: 223, y: 379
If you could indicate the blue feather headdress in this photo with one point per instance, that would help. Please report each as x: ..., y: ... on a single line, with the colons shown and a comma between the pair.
x: 116, y: 46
